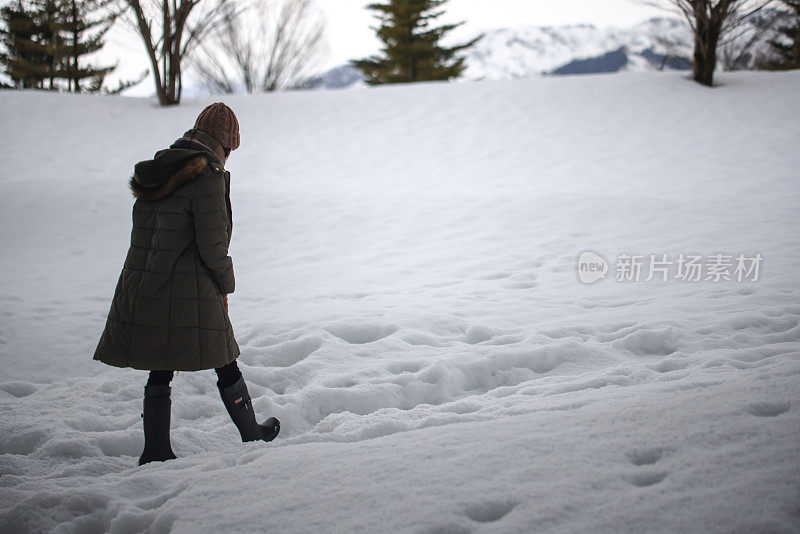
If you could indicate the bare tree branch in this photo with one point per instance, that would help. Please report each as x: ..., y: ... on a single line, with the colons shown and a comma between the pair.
x: 710, y: 21
x: 268, y: 46
x: 181, y: 25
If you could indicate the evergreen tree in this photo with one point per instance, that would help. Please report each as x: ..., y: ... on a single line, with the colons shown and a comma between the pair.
x: 77, y: 24
x: 49, y: 40
x: 21, y: 59
x: 787, y: 50
x: 412, y: 50
x: 45, y: 40
x: 34, y: 44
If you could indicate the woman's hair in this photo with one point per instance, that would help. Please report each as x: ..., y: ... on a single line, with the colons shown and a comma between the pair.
x: 227, y: 151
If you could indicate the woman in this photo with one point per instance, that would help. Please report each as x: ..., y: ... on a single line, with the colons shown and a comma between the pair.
x: 170, y: 307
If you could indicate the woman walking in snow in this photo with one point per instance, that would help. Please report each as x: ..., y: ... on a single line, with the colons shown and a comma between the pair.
x: 170, y: 307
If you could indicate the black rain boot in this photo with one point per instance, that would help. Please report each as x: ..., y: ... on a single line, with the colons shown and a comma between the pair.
x: 237, y: 401
x: 157, y: 405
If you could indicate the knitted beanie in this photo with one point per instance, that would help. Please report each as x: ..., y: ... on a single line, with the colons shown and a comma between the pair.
x: 219, y: 121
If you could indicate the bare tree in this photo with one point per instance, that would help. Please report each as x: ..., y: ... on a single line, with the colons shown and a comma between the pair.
x: 272, y: 45
x: 747, y: 46
x: 710, y: 20
x: 169, y: 36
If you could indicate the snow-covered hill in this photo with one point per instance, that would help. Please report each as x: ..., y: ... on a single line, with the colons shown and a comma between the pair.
x: 408, y: 305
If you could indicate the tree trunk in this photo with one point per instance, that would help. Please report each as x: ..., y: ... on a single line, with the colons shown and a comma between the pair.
x: 708, y: 28
x: 74, y: 59
x: 705, y: 56
x: 166, y: 31
x: 167, y: 53
x: 144, y: 31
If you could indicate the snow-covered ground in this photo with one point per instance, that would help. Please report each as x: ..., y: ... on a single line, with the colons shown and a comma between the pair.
x: 408, y: 305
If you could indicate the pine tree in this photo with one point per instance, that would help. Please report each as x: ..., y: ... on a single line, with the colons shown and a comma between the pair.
x: 412, y: 50
x: 21, y: 59
x: 49, y: 42
x: 787, y: 49
x: 34, y: 45
x: 77, y: 24
x: 46, y: 40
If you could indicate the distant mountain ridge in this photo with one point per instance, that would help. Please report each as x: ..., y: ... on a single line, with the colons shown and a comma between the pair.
x: 580, y: 49
x: 509, y: 53
x: 660, y: 43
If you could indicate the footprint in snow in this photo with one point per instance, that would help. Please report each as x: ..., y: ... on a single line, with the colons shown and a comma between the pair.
x: 478, y: 334
x: 359, y: 334
x: 768, y: 409
x: 645, y: 456
x: 420, y: 339
x: 18, y: 389
x: 646, y: 476
x: 447, y: 529
x: 494, y: 276
x: 490, y: 511
x: 642, y: 479
x: 291, y: 352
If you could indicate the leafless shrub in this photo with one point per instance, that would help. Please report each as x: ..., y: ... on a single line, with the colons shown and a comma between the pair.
x: 268, y: 46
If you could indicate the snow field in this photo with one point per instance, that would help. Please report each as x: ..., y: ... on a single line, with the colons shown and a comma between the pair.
x: 407, y: 304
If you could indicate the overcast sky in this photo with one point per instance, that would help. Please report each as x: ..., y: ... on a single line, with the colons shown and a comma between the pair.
x: 350, y: 36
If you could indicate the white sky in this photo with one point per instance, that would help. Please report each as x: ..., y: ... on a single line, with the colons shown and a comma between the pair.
x: 350, y: 35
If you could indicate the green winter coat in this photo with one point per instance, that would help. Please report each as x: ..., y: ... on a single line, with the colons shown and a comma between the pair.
x: 167, y: 312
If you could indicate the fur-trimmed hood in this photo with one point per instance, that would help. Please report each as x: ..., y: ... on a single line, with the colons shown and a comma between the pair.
x: 151, y: 181
x: 154, y: 179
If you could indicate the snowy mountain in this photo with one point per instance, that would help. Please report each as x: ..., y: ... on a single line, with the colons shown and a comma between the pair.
x: 580, y: 49
x: 657, y: 44
x: 510, y: 53
x: 336, y: 78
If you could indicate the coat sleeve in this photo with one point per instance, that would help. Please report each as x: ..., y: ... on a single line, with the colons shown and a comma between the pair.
x: 210, y: 210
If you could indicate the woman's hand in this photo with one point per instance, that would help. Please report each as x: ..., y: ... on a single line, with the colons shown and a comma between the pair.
x: 225, y: 300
